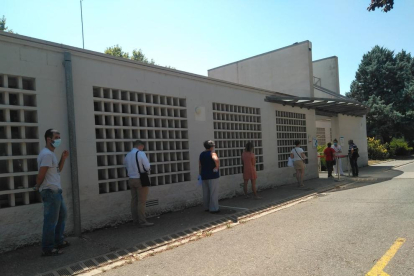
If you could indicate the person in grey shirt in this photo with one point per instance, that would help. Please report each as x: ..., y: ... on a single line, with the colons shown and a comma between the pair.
x: 49, y: 185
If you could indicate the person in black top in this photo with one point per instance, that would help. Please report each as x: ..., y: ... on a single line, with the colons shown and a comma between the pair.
x: 209, y: 171
x: 353, y: 157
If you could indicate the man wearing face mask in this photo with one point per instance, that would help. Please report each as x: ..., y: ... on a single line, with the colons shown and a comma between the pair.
x: 338, y: 149
x: 49, y: 185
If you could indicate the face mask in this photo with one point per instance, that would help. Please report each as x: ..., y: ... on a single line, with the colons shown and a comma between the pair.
x: 56, y: 143
x: 335, y: 144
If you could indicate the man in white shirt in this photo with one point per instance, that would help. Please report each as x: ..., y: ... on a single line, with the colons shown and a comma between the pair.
x: 49, y: 185
x: 139, y: 193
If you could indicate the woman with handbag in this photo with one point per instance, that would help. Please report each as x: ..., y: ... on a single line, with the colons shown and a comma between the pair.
x: 299, y: 157
x: 249, y: 169
x: 209, y: 171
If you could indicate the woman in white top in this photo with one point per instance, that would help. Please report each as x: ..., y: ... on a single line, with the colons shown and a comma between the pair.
x: 338, y: 149
x: 298, y: 157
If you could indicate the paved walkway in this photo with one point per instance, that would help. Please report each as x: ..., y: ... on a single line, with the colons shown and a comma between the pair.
x: 127, y: 238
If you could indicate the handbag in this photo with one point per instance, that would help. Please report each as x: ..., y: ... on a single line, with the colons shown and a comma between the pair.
x: 290, y: 162
x: 304, y: 161
x: 145, y: 181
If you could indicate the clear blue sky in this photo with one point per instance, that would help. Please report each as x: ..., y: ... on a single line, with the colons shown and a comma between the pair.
x: 196, y: 35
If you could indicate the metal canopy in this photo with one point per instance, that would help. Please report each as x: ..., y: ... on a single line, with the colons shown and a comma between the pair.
x: 323, y: 106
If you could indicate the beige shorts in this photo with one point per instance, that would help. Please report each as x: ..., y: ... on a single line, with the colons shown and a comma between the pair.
x: 299, y: 165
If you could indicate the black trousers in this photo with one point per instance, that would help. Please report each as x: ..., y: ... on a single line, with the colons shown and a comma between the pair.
x: 329, y: 166
x: 354, y: 166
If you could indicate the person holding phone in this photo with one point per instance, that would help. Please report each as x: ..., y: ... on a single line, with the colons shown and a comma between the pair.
x: 209, y: 165
x: 50, y: 187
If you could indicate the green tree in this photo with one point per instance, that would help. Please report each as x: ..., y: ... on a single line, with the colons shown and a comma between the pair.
x: 386, y: 5
x: 3, y: 26
x: 137, y: 55
x: 385, y: 82
x: 116, y: 51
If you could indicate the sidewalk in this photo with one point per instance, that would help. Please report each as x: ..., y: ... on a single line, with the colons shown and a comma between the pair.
x: 119, y: 241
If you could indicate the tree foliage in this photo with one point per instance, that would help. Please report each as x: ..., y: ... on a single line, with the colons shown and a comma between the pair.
x: 116, y: 51
x: 3, y: 26
x: 386, y: 5
x: 137, y: 55
x: 385, y: 82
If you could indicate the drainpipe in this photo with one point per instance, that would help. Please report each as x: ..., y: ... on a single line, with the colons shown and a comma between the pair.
x: 72, y: 144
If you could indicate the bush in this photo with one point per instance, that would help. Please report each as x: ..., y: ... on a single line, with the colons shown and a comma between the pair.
x: 399, y: 147
x: 321, y: 148
x: 376, y: 150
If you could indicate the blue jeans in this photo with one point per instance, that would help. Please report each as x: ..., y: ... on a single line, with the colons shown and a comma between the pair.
x: 54, y: 219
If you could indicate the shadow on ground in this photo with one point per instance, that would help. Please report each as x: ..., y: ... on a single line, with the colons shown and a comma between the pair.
x: 27, y: 261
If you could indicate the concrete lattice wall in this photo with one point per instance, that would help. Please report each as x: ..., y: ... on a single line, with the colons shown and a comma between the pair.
x: 118, y: 101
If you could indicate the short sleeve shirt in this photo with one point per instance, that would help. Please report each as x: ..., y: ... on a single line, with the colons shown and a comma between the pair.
x: 329, y: 154
x: 47, y: 158
x: 296, y: 154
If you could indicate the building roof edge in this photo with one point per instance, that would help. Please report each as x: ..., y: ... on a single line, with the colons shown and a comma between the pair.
x: 294, y: 44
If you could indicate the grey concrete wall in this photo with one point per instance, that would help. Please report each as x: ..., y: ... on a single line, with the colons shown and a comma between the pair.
x: 287, y: 70
x: 327, y: 70
x: 43, y: 62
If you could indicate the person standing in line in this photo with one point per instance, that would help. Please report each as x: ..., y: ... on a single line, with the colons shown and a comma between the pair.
x: 298, y: 156
x: 136, y: 157
x: 338, y: 149
x: 209, y: 165
x: 353, y: 157
x: 329, y: 158
x: 249, y: 169
x: 50, y: 187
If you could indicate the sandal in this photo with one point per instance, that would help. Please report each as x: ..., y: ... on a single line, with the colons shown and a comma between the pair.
x: 53, y: 252
x: 63, y: 245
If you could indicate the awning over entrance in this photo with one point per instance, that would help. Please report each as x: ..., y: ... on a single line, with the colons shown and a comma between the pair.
x: 323, y: 106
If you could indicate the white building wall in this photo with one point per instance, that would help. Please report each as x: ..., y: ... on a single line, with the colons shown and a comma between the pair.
x: 43, y: 62
x: 327, y: 70
x: 287, y: 70
x: 22, y: 223
x: 352, y: 128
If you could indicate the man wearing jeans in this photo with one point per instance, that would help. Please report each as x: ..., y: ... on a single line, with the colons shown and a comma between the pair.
x: 136, y: 157
x: 49, y: 185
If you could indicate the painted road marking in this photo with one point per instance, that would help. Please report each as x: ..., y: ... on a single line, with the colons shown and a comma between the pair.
x: 378, y: 269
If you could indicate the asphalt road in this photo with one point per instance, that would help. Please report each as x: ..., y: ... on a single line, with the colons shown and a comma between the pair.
x: 345, y: 232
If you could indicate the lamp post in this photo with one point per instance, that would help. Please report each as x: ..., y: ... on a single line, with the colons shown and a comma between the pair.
x: 83, y: 40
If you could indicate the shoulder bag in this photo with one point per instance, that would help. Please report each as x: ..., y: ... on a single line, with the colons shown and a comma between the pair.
x: 304, y: 161
x: 145, y: 181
